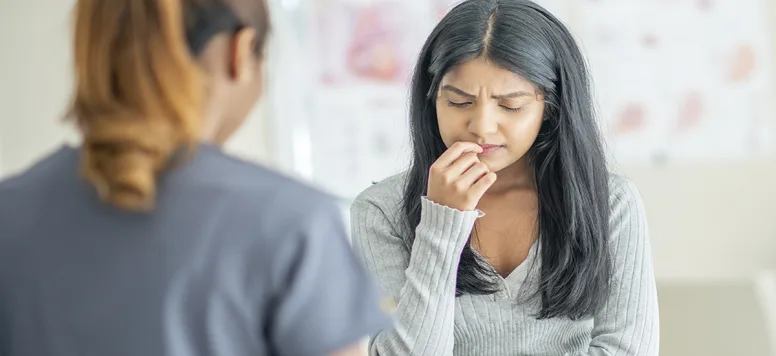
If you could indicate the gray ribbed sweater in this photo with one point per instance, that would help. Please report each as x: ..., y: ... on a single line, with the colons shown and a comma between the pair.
x: 432, y: 321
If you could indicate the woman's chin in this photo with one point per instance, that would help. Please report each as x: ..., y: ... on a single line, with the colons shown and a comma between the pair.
x: 493, y: 165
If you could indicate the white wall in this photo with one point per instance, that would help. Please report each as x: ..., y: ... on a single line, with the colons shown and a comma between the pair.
x: 710, y: 221
x: 34, y: 78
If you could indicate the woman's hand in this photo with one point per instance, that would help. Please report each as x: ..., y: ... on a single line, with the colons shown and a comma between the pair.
x: 458, y: 179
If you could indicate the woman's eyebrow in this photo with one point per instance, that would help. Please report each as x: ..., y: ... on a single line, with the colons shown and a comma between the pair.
x: 513, y: 95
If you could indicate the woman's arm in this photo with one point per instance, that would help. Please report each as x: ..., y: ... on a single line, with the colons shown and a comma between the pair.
x: 421, y: 281
x: 628, y: 325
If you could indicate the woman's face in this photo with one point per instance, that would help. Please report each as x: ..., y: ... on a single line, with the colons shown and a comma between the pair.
x: 481, y: 103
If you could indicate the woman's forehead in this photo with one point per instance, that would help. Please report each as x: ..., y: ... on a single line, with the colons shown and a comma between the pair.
x: 478, y: 73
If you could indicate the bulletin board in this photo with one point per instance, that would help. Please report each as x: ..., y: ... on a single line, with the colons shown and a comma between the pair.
x: 675, y: 81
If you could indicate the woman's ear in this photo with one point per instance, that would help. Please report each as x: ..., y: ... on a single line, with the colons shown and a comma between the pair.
x: 242, y: 66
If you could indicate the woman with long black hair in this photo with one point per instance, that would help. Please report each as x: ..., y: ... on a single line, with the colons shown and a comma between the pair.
x: 508, y: 235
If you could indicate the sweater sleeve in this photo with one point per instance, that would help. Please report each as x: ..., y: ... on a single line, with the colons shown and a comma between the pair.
x: 628, y: 324
x: 421, y: 280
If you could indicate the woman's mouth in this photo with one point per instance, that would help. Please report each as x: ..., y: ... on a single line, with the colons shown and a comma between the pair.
x: 490, y: 149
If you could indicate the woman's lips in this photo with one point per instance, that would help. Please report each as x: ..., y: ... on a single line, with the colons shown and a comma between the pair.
x: 489, y: 149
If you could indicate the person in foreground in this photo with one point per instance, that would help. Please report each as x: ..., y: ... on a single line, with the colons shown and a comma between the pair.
x: 508, y: 235
x: 168, y: 246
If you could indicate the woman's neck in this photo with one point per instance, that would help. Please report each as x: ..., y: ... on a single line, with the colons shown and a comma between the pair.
x: 212, y: 126
x: 518, y: 176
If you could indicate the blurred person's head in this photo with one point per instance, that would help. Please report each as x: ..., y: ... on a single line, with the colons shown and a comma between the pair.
x: 154, y: 78
x: 507, y: 73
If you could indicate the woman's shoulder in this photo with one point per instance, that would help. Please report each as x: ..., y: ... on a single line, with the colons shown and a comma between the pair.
x: 628, y: 217
x: 386, y: 193
x: 622, y: 191
x: 384, y: 197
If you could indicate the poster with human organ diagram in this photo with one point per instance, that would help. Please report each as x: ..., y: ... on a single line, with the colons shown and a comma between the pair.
x: 674, y: 80
x: 680, y: 80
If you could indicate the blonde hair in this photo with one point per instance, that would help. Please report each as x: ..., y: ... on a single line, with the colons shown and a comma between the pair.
x: 139, y: 94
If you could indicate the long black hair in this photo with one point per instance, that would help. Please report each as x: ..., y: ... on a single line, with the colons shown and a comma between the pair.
x: 567, y: 158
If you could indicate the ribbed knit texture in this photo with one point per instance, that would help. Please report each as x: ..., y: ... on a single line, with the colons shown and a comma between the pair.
x: 430, y: 320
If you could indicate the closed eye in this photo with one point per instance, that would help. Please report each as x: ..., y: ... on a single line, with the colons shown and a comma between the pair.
x: 507, y: 108
x: 458, y: 105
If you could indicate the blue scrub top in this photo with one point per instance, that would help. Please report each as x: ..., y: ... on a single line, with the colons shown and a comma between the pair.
x: 235, y: 260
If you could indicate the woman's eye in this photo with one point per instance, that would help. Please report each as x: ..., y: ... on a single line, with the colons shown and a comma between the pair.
x: 507, y: 108
x: 457, y: 105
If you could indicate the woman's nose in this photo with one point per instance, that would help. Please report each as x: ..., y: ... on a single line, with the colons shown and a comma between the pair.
x: 483, y: 122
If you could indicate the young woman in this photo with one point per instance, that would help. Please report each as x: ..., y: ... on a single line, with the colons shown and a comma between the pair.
x: 148, y: 240
x: 508, y: 235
